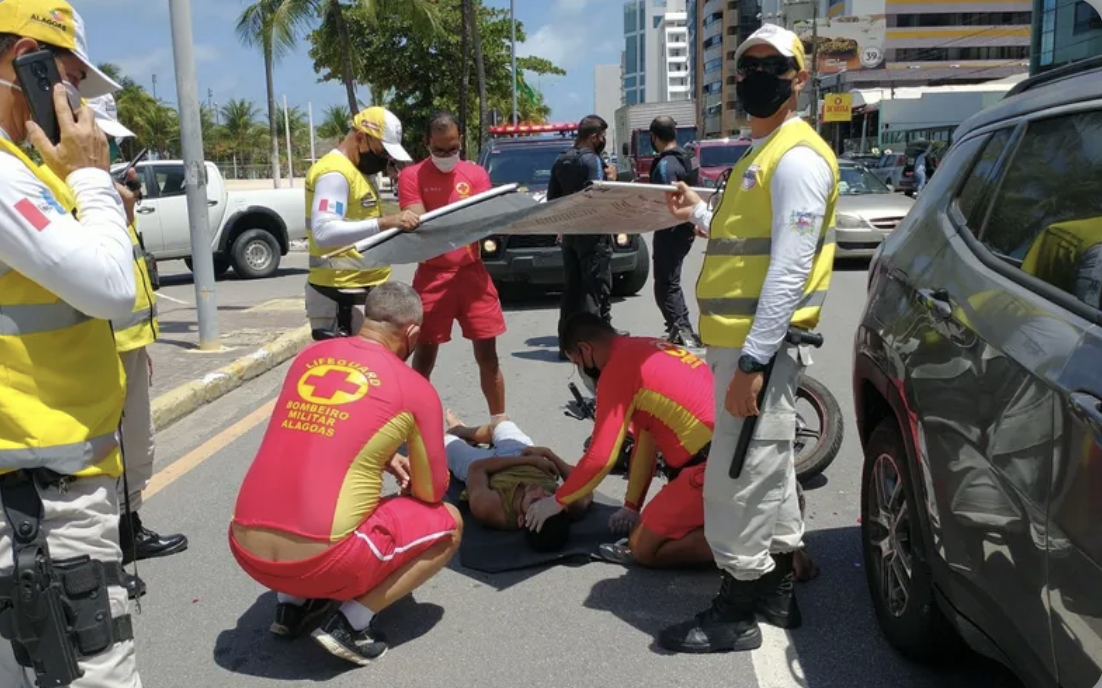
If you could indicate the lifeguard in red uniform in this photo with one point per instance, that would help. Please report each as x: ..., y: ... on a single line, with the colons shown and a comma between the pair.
x: 661, y: 394
x: 311, y: 522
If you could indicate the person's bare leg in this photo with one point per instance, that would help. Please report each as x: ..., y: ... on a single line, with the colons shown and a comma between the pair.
x: 480, y: 434
x: 414, y: 574
x: 654, y: 551
x: 489, y: 374
x: 424, y: 359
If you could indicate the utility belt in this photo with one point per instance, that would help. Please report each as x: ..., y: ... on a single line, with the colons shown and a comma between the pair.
x: 695, y: 460
x: 346, y: 301
x: 55, y: 612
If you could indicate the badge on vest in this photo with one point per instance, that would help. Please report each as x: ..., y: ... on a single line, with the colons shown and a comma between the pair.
x: 750, y: 177
x: 804, y: 222
x: 368, y: 202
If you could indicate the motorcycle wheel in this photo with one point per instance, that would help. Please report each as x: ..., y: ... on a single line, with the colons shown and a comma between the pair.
x: 816, y: 449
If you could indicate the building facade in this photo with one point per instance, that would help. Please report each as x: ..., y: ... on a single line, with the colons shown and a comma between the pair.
x: 674, y: 76
x: 655, y: 59
x: 1064, y: 31
x: 719, y: 27
x: 607, y: 93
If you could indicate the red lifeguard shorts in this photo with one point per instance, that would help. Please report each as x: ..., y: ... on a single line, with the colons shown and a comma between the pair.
x: 467, y: 295
x: 678, y: 508
x: 399, y: 530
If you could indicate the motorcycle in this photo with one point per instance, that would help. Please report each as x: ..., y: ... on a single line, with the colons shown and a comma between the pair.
x: 815, y: 448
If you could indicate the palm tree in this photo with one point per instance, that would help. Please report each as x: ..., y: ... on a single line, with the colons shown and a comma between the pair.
x: 334, y: 123
x: 422, y: 12
x: 240, y: 121
x: 465, y: 78
x: 273, y: 26
x: 471, y: 19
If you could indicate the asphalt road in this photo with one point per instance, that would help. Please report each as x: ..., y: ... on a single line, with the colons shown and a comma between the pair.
x: 204, y: 622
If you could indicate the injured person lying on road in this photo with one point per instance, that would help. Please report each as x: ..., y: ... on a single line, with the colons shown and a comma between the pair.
x: 504, y: 474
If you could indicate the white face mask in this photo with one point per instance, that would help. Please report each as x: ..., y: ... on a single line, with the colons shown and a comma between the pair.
x: 74, y: 94
x: 447, y: 164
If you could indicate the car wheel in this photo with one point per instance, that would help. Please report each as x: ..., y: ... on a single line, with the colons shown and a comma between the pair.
x: 255, y: 254
x: 631, y: 283
x: 895, y: 555
x: 221, y: 265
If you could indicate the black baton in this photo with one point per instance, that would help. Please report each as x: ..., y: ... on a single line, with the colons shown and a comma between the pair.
x: 795, y: 337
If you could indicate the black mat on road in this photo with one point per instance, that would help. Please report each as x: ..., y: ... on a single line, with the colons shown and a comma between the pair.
x: 494, y: 551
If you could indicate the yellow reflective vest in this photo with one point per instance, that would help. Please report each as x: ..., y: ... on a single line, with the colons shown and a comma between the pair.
x: 741, y: 233
x: 1057, y: 253
x: 141, y: 328
x: 348, y: 269
x: 62, y: 384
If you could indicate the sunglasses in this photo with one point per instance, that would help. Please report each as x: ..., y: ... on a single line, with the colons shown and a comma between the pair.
x: 777, y: 65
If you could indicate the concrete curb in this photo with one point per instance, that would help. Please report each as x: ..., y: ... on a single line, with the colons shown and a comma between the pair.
x: 186, y: 399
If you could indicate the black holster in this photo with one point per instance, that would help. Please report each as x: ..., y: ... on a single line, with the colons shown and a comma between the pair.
x: 150, y: 264
x: 345, y: 301
x: 55, y: 613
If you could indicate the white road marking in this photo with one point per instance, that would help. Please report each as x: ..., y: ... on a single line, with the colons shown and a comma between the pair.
x: 169, y: 298
x: 776, y: 663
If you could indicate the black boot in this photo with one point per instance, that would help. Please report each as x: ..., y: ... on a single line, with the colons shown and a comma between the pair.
x: 729, y: 624
x: 135, y: 586
x: 146, y: 544
x: 777, y: 600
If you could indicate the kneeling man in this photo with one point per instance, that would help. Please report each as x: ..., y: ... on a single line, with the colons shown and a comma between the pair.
x: 310, y: 521
x: 508, y: 477
x: 663, y: 394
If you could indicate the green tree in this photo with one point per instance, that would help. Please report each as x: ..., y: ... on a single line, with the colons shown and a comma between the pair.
x: 423, y: 74
x: 334, y: 123
x: 240, y: 123
x: 272, y: 25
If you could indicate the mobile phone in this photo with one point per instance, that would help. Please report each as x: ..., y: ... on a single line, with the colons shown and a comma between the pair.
x: 120, y: 177
x: 37, y: 74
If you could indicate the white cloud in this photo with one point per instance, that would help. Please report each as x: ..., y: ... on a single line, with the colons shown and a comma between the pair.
x: 160, y: 61
x: 573, y: 34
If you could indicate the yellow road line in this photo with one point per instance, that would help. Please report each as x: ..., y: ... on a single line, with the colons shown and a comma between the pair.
x: 182, y: 466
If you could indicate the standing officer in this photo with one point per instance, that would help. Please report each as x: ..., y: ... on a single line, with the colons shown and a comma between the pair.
x: 62, y: 278
x: 672, y: 165
x: 768, y: 266
x: 132, y: 335
x: 587, y: 258
x: 343, y: 207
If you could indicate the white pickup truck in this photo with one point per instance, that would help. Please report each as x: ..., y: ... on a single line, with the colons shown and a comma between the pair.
x: 250, y: 230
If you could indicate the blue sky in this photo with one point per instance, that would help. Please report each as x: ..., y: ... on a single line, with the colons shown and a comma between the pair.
x: 136, y: 35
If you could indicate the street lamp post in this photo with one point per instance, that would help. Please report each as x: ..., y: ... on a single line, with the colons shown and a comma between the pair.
x: 195, y: 171
x: 513, y: 26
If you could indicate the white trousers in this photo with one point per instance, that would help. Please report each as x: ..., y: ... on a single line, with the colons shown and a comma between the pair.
x: 137, y: 428
x: 508, y: 441
x: 321, y: 311
x: 748, y: 518
x: 82, y: 520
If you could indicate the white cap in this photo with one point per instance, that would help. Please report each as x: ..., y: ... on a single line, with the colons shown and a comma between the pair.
x: 107, y: 117
x: 96, y: 83
x: 784, y: 41
x: 385, y: 126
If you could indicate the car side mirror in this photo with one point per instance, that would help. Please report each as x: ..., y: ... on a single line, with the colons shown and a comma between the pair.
x: 624, y: 148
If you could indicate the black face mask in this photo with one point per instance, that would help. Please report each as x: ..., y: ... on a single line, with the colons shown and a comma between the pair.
x: 372, y: 163
x: 762, y: 94
x: 589, y: 370
x: 599, y: 147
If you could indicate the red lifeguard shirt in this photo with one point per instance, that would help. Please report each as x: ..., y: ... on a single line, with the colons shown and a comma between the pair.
x: 346, y: 407
x: 423, y: 183
x: 664, y: 394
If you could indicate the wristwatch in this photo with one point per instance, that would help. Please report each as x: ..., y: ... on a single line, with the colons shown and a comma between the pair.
x: 748, y: 365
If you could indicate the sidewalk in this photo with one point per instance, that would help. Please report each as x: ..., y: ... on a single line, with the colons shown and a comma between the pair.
x: 261, y: 323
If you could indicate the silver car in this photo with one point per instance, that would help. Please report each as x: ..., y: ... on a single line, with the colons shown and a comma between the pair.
x: 867, y: 211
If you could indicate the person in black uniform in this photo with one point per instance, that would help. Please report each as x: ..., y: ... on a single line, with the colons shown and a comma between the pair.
x: 587, y: 258
x: 672, y: 165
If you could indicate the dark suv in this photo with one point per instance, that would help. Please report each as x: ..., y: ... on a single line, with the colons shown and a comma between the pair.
x: 978, y: 391
x: 533, y: 259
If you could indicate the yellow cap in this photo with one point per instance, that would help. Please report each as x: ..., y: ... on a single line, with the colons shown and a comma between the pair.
x: 782, y: 40
x: 380, y: 123
x: 57, y: 24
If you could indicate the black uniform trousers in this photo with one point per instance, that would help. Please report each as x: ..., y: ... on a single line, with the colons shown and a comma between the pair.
x: 670, y: 248
x: 587, y: 264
